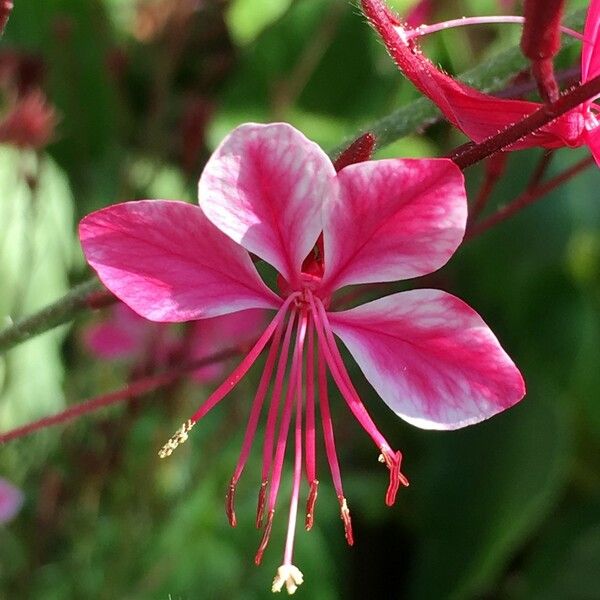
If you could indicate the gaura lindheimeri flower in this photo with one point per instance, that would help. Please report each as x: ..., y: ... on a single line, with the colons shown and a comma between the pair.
x: 270, y: 191
x: 11, y: 500
x: 480, y: 115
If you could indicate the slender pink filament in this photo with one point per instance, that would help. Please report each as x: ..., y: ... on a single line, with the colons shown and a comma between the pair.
x: 311, y: 468
x: 392, y: 460
x: 284, y: 426
x: 269, y: 438
x: 245, y: 365
x: 328, y: 436
x: 422, y: 30
x: 253, y: 420
x: 341, y: 377
x: 295, y: 372
x: 289, y: 542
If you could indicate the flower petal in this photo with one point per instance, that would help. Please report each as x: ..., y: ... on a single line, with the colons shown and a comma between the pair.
x: 476, y: 114
x: 264, y: 187
x: 590, y: 53
x: 393, y: 219
x: 431, y: 358
x: 167, y: 262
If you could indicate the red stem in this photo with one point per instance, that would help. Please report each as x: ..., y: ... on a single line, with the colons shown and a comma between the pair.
x: 529, y: 196
x: 467, y: 156
x: 135, y: 388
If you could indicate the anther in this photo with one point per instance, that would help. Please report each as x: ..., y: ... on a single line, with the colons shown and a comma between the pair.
x: 310, y: 504
x: 265, y: 538
x: 392, y: 461
x: 230, y: 503
x: 288, y: 575
x: 180, y: 436
x: 345, y: 516
x: 260, y: 508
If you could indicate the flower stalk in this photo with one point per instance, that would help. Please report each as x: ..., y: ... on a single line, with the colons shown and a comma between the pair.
x: 547, y: 113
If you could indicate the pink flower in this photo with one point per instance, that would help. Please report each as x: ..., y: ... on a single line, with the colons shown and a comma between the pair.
x: 480, y: 115
x: 11, y: 500
x: 270, y: 191
x: 124, y: 335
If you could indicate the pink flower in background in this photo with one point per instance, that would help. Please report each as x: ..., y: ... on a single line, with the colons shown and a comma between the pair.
x: 123, y: 335
x: 480, y: 115
x: 11, y: 500
x: 270, y: 191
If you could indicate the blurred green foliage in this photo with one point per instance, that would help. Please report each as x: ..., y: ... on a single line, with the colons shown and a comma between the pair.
x: 144, y: 90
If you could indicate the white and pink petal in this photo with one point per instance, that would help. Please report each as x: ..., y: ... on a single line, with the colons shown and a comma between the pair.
x: 169, y: 263
x: 264, y: 187
x: 392, y: 219
x: 431, y: 358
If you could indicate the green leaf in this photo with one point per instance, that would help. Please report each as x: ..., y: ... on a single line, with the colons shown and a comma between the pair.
x: 483, y: 491
x: 37, y: 248
x: 247, y: 18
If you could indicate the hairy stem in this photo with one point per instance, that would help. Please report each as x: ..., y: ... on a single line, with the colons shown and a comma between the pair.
x: 472, y: 154
x: 489, y: 76
x: 81, y: 298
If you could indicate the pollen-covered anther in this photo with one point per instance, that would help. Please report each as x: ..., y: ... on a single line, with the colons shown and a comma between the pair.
x: 260, y: 507
x: 392, y: 461
x: 346, y: 520
x: 180, y: 436
x: 287, y: 575
x: 265, y: 538
x: 230, y: 503
x: 310, y: 504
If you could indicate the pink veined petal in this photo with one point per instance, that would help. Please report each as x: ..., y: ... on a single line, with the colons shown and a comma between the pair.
x: 431, y: 358
x: 590, y: 53
x: 264, y: 187
x: 11, y: 500
x: 167, y: 262
x: 393, y: 219
x: 476, y: 114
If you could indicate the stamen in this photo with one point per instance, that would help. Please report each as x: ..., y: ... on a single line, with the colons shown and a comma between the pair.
x: 230, y: 504
x: 264, y: 542
x: 260, y: 507
x: 289, y: 575
x: 310, y: 453
x: 289, y: 542
x: 345, y: 516
x: 178, y: 438
x: 269, y: 438
x: 310, y: 504
x: 295, y: 372
x: 393, y: 461
x: 344, y: 383
x: 253, y: 422
x: 336, y: 366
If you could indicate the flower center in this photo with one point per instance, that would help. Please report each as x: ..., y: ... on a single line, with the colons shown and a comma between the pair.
x: 302, y: 351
